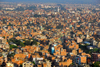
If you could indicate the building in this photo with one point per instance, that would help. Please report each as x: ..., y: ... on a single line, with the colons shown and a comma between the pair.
x: 98, y: 45
x: 95, y: 57
x: 27, y: 64
x: 52, y: 50
x: 78, y: 60
x: 81, y: 59
x: 79, y: 40
x: 9, y: 64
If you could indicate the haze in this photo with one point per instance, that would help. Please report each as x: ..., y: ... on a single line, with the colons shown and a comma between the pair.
x: 57, y: 1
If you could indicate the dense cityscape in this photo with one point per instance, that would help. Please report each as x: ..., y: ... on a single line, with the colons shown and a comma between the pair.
x: 49, y: 35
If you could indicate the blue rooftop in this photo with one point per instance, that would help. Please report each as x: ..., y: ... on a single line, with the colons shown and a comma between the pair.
x: 86, y: 42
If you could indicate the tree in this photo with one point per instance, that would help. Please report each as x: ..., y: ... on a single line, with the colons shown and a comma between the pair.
x: 11, y: 55
x: 86, y: 44
x: 20, y: 9
x: 34, y: 42
x: 31, y: 8
x: 10, y: 24
x: 13, y: 46
x: 27, y: 42
x: 21, y: 65
x: 59, y: 27
x: 96, y: 64
x: 4, y: 21
x: 36, y: 15
x: 22, y: 44
x: 4, y: 37
x: 33, y: 62
x: 95, y: 50
x: 18, y: 42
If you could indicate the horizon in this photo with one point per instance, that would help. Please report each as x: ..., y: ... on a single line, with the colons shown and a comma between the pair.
x: 55, y: 1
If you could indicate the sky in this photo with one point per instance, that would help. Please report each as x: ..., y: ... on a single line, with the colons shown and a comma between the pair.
x: 57, y: 1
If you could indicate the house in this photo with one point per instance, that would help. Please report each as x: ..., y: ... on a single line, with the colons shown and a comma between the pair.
x: 9, y: 64
x: 27, y: 64
x: 95, y: 57
x: 81, y: 59
x: 74, y: 52
x: 66, y: 63
x: 90, y: 47
x: 1, y: 60
x: 47, y: 63
x: 19, y: 59
x: 79, y: 40
x: 98, y: 45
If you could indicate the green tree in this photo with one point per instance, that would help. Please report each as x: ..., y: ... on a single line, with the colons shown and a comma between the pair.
x: 3, y: 36
x: 18, y: 42
x: 33, y: 62
x: 22, y: 44
x: 11, y: 55
x: 95, y: 50
x: 34, y: 42
x: 86, y: 44
x: 20, y: 9
x: 36, y: 15
x: 27, y: 42
x: 10, y: 24
x: 96, y: 64
x: 13, y: 46
x: 31, y: 8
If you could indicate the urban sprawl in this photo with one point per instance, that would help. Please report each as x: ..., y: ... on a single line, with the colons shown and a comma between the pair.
x: 49, y: 35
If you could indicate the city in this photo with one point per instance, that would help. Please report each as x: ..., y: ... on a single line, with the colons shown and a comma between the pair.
x: 49, y: 35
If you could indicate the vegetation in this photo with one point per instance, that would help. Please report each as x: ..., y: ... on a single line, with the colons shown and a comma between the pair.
x: 19, y: 9
x: 3, y: 36
x: 34, y: 42
x: 48, y: 9
x: 86, y: 45
x: 20, y: 43
x: 16, y: 34
x: 33, y: 62
x: 27, y: 42
x: 4, y: 21
x: 95, y: 50
x: 11, y: 55
x: 96, y: 64
x: 48, y: 27
x: 13, y: 46
x: 31, y: 8
x: 36, y: 15
x: 78, y: 9
x: 21, y: 65
x: 61, y: 7
x: 53, y: 16
x: 10, y: 24
x: 72, y: 64
x: 79, y: 23
x: 59, y: 27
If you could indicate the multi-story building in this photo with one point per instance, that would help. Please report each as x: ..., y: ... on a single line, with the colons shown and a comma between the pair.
x: 95, y: 57
x: 27, y: 64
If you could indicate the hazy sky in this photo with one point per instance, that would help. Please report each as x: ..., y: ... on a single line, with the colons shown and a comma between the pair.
x: 56, y: 1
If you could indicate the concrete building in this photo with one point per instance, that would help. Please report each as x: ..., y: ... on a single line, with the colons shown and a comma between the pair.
x: 9, y: 64
x: 27, y: 64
